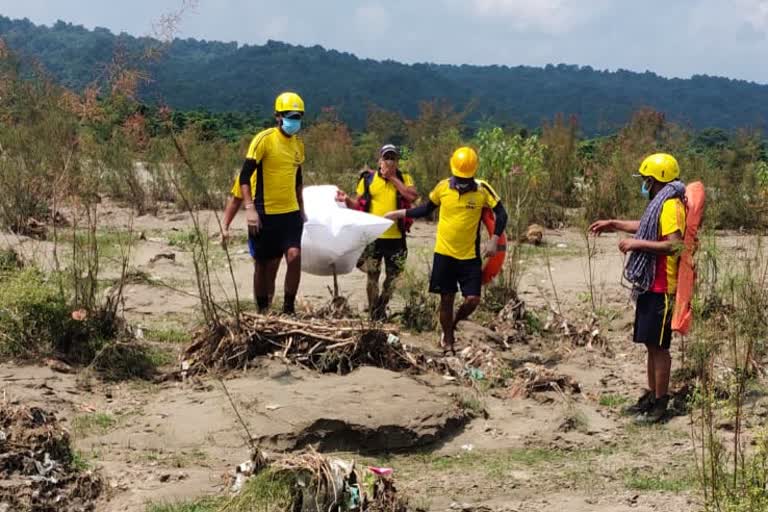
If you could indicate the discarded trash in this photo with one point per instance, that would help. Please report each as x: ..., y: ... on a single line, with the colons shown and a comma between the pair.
x: 380, y: 471
x: 184, y: 369
x: 315, y: 483
x: 393, y: 340
x: 36, y: 464
x: 273, y: 407
x: 334, y: 237
x: 468, y: 447
x: 562, y: 246
x: 475, y: 374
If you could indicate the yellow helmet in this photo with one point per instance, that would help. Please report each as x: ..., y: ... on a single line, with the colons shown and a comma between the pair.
x: 289, y: 102
x: 660, y: 166
x: 464, y: 162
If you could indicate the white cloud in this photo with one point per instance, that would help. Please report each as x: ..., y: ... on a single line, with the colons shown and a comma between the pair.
x: 372, y: 19
x: 754, y: 13
x: 551, y: 16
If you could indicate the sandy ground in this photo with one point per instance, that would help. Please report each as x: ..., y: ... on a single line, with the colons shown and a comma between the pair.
x: 175, y: 440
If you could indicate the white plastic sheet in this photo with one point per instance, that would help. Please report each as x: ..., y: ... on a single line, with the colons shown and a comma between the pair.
x: 335, y: 236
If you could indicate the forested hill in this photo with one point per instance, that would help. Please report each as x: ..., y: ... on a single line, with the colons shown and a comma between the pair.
x: 226, y: 77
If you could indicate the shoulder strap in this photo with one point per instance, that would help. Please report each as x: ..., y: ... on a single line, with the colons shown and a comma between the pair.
x: 367, y: 177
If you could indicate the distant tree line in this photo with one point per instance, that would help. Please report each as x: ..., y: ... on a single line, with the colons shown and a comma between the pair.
x: 207, y: 76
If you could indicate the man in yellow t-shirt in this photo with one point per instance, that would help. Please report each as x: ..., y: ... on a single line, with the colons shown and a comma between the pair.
x: 379, y: 192
x: 457, y: 260
x: 652, y: 271
x: 270, y: 186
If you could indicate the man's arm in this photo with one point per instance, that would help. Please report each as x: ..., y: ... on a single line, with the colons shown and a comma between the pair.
x: 233, y: 205
x: 612, y: 225
x: 408, y: 192
x: 252, y: 216
x: 300, y: 193
x: 420, y: 211
x: 671, y: 246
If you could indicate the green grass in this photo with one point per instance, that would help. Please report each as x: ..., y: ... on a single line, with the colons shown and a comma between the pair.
x: 111, y: 244
x: 79, y: 462
x: 94, y: 423
x: 158, y: 357
x: 200, y: 505
x: 183, y: 239
x: 266, y: 492
x: 167, y: 335
x: 493, y: 465
x: 471, y: 403
x: 613, y: 401
x: 658, y: 482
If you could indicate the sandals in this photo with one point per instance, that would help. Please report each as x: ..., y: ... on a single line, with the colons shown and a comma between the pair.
x: 446, y: 350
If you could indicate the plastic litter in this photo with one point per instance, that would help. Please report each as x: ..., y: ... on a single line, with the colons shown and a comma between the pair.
x: 335, y: 236
x: 393, y: 340
x: 476, y: 373
x: 380, y: 471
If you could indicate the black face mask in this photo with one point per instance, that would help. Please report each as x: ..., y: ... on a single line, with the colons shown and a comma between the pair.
x: 463, y: 184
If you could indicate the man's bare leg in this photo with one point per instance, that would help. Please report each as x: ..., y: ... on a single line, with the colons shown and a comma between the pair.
x: 446, y: 320
x: 292, y: 279
x: 467, y: 308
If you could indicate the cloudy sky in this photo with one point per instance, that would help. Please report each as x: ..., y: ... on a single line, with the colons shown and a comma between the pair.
x: 675, y: 38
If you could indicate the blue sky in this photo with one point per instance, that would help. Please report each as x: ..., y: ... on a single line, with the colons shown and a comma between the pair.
x: 674, y: 38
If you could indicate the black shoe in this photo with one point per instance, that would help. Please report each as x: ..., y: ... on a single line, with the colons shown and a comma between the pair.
x: 656, y: 414
x: 643, y: 405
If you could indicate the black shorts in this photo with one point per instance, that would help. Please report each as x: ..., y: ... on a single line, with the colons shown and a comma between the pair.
x: 278, y: 233
x: 448, y: 274
x: 393, y: 251
x: 653, y: 319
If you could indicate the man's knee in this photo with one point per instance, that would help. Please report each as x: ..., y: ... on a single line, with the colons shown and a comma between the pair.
x: 293, y: 256
x: 472, y: 301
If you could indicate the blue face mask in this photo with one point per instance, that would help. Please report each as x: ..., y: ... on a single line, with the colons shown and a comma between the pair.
x: 645, y: 191
x: 291, y: 126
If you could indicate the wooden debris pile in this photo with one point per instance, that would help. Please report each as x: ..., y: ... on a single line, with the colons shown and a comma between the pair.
x: 534, y: 378
x: 325, y: 345
x: 585, y: 333
x: 37, y: 466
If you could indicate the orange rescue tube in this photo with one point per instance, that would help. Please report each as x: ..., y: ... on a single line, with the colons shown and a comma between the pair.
x: 493, y: 265
x: 682, y: 318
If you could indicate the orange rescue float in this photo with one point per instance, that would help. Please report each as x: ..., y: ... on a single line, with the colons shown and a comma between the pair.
x: 493, y: 265
x: 682, y: 318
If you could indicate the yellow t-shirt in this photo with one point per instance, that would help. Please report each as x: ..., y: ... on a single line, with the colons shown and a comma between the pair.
x: 273, y: 183
x: 458, y: 227
x: 672, y: 220
x: 384, y: 199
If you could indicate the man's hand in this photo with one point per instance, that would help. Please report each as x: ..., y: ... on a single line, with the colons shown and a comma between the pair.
x: 395, y: 214
x: 225, y: 237
x: 341, y: 196
x: 254, y: 222
x: 388, y: 173
x: 602, y: 226
x: 491, y: 247
x: 627, y: 245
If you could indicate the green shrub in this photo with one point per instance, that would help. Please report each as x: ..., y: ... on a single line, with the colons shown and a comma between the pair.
x: 34, y: 318
x: 421, y: 307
